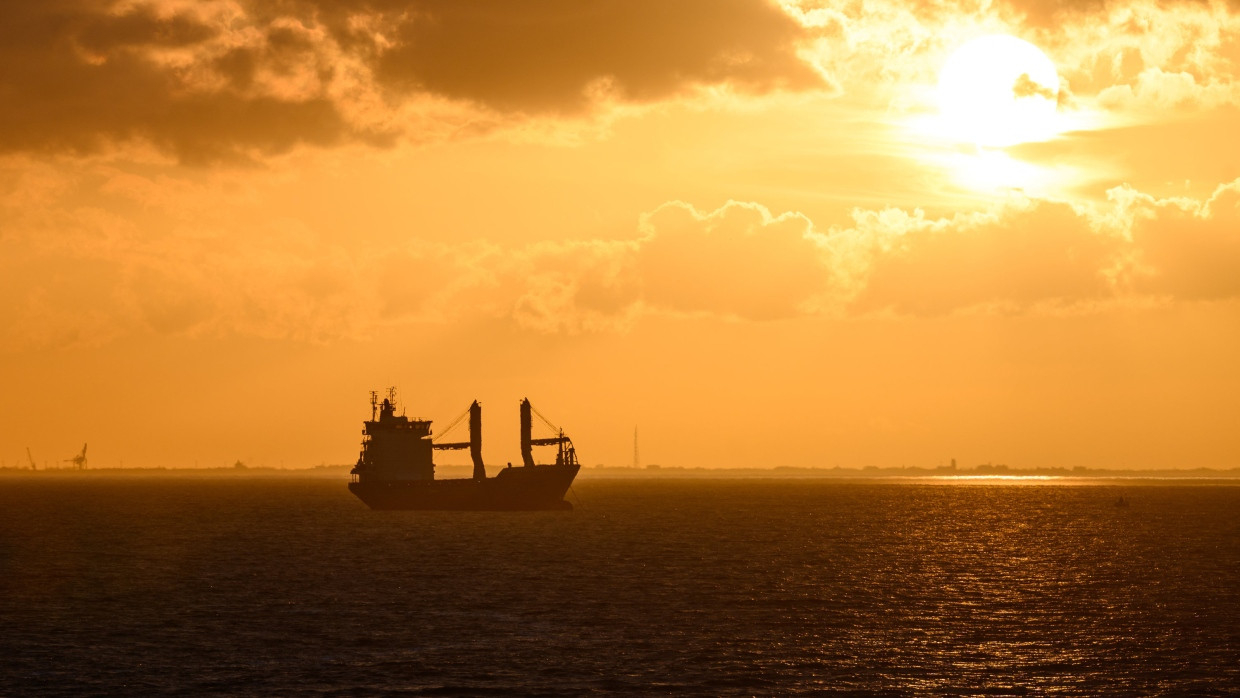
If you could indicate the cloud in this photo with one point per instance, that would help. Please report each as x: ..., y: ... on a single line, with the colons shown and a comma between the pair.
x: 1051, y: 13
x: 1035, y: 256
x: 1026, y: 86
x: 85, y: 273
x: 738, y: 261
x: 1167, y: 92
x: 100, y: 277
x: 1185, y: 249
x: 548, y: 55
x: 1136, y: 61
x: 1147, y: 60
x: 1031, y: 254
x: 76, y: 76
x: 240, y: 80
x: 570, y: 287
x: 222, y: 80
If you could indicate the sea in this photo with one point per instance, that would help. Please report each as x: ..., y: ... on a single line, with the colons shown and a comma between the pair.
x: 198, y: 586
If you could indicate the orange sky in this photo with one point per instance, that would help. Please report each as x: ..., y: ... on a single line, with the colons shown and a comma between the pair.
x: 743, y: 226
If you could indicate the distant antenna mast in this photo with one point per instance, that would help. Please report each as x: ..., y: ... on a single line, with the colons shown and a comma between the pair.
x: 637, y: 461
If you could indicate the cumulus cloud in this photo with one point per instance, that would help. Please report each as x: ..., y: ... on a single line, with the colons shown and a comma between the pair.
x: 1035, y: 253
x: 1026, y: 86
x: 1146, y: 60
x: 80, y: 274
x: 1154, y: 88
x: 223, y: 79
x: 1183, y: 248
x: 549, y: 54
x: 77, y: 75
x: 738, y: 261
x: 1049, y: 256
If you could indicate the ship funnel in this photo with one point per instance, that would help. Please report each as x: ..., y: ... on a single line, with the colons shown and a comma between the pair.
x: 475, y: 440
x: 527, y: 426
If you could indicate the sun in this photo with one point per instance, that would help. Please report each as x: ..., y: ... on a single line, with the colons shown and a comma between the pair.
x: 997, y: 91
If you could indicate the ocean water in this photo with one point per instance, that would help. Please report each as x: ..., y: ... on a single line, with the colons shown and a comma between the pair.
x: 293, y: 587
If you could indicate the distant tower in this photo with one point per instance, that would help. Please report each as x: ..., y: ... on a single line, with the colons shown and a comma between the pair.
x: 637, y: 460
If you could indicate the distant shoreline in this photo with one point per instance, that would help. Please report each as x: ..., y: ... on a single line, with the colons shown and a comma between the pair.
x: 982, y: 473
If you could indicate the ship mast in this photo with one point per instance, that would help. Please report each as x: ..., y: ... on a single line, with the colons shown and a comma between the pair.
x: 475, y: 439
x: 527, y: 427
x: 565, y: 454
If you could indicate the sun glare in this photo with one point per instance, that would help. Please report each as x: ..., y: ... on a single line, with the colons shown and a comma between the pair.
x: 997, y: 91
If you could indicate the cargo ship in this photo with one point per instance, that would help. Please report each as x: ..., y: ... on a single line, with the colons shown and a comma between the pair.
x: 396, y: 468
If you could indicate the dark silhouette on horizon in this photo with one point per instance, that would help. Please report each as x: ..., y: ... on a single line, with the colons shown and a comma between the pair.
x: 396, y: 468
x: 79, y: 461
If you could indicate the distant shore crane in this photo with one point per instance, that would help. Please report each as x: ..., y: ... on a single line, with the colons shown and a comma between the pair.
x: 79, y: 461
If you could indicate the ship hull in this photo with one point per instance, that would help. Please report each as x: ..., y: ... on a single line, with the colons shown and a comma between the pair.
x: 532, y: 488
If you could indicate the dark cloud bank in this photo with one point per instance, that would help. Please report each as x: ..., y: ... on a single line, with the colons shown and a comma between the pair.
x: 78, y: 75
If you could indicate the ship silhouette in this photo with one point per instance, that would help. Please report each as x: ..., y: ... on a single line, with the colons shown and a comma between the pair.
x: 396, y: 468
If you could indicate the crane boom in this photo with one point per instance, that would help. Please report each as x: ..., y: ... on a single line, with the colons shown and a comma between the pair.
x: 79, y: 461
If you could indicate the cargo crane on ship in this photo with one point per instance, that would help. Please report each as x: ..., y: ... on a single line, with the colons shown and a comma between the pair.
x: 396, y: 468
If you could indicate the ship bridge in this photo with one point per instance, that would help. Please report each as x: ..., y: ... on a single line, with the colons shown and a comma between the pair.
x: 394, y: 447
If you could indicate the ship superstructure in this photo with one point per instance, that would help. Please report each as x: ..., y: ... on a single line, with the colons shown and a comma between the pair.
x: 396, y: 468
